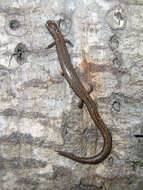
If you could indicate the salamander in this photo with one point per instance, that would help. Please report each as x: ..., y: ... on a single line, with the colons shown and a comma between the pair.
x: 75, y: 83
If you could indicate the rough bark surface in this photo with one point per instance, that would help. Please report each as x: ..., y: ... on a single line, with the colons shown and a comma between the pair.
x: 39, y: 113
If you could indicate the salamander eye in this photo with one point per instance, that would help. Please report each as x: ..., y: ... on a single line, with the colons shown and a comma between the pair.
x: 49, y: 23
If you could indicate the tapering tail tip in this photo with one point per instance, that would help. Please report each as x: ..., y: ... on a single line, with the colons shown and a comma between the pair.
x: 90, y: 160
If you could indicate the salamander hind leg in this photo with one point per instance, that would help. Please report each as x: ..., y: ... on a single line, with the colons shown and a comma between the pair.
x: 61, y: 73
x: 80, y: 104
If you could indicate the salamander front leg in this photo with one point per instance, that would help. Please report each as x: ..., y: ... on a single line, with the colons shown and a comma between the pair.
x: 54, y: 43
x: 51, y: 45
x: 69, y: 42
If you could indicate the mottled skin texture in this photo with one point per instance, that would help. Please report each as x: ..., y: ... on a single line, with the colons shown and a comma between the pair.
x: 76, y: 85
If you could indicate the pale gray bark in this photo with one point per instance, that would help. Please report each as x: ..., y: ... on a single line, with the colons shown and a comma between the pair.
x: 39, y: 113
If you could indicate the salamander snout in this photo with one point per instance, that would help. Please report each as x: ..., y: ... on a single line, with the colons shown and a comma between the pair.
x: 52, y: 26
x: 49, y: 22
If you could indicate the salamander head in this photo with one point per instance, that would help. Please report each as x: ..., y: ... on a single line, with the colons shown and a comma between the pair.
x: 52, y: 28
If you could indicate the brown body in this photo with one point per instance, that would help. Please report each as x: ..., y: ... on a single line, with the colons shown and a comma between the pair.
x: 76, y: 85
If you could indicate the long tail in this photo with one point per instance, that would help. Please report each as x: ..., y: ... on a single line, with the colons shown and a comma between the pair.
x: 106, y: 136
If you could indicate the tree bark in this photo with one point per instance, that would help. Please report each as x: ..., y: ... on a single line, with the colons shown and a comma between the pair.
x: 39, y: 111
